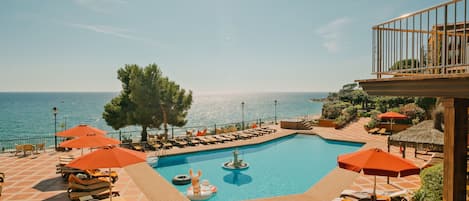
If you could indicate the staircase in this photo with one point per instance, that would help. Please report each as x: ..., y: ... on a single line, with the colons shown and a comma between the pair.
x: 305, y: 125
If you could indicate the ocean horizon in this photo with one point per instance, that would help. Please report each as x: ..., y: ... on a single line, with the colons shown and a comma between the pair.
x: 29, y: 114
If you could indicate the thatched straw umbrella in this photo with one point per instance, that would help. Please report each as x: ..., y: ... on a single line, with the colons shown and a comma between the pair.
x: 420, y: 136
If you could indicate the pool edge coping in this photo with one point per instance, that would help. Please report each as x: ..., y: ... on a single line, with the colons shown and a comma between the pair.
x: 319, y: 191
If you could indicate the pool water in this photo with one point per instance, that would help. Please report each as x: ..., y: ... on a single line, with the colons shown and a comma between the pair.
x: 288, y: 165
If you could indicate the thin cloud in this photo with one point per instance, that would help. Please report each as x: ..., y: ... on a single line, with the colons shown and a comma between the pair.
x: 332, y: 33
x: 101, y: 6
x: 110, y: 30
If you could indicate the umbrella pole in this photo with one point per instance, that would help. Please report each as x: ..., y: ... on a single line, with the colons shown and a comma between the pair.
x: 391, y: 124
x: 374, y: 191
x: 110, y: 185
x: 82, y: 151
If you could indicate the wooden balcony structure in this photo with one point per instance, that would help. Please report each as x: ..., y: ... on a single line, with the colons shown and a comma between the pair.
x: 426, y: 53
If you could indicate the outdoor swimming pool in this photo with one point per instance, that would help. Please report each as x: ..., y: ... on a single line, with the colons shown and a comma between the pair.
x: 288, y: 165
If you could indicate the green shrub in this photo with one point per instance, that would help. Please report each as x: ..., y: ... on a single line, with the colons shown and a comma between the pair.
x: 347, y: 115
x: 374, y: 119
x: 432, y: 184
x: 332, y: 110
x: 413, y: 111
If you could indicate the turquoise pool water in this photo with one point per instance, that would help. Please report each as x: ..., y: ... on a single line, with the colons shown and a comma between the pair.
x: 288, y: 165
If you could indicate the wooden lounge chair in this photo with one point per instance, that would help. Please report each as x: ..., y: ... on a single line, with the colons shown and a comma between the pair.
x: 179, y: 142
x: 382, y: 131
x: 154, y: 145
x: 373, y: 130
x: 137, y: 147
x: 63, y: 170
x: 212, y: 139
x: 221, y: 138
x: 229, y: 136
x: 192, y: 141
x: 98, y: 174
x: 100, y: 193
x: 167, y: 145
x: 204, y: 140
x: 2, y: 180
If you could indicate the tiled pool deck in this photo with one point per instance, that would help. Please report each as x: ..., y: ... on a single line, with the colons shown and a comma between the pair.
x: 33, y: 177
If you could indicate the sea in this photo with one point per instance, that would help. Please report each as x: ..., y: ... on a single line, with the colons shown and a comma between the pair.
x: 30, y: 114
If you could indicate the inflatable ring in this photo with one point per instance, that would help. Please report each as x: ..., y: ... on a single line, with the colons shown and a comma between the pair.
x: 181, y: 179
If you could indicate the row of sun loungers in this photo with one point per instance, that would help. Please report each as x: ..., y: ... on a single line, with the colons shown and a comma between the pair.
x: 95, y: 188
x: 381, y: 131
x: 366, y: 195
x: 156, y: 144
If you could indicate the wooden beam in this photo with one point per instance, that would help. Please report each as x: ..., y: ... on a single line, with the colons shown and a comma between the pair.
x: 431, y: 86
x: 456, y: 129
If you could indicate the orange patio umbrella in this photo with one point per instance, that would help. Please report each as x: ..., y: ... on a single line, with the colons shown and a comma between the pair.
x: 108, y: 157
x: 90, y: 140
x: 81, y: 130
x: 392, y: 116
x: 376, y: 162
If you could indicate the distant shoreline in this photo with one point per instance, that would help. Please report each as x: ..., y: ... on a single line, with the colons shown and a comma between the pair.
x: 322, y: 100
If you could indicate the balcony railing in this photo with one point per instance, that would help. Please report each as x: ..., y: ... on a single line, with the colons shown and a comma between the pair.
x: 432, y: 41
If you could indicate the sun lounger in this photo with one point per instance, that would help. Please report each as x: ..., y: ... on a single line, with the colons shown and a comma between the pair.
x: 154, y: 145
x: 229, y: 136
x: 221, y: 138
x: 100, y: 193
x: 382, y: 131
x: 91, y: 187
x: 203, y: 140
x: 87, y: 198
x: 436, y: 158
x: 74, y: 179
x: 64, y: 160
x: 179, y: 142
x: 167, y: 145
x: 212, y: 139
x: 192, y: 141
x: 2, y: 180
x: 357, y: 195
x: 373, y: 130
x: 98, y: 174
x: 137, y: 147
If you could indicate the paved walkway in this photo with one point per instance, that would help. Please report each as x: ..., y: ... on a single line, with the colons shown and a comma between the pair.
x: 33, y: 177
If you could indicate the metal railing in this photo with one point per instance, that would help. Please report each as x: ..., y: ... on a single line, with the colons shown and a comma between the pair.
x: 8, y: 145
x: 431, y: 41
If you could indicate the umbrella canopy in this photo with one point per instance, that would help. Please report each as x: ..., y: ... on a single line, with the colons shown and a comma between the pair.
x: 377, y: 162
x: 80, y: 130
x: 91, y: 140
x: 108, y: 157
x: 392, y: 115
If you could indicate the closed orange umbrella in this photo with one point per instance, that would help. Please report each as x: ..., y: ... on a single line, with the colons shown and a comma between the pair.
x: 81, y: 130
x: 108, y: 157
x: 91, y: 140
x: 378, y: 163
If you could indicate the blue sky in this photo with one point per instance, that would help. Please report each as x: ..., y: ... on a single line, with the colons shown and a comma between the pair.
x: 207, y: 46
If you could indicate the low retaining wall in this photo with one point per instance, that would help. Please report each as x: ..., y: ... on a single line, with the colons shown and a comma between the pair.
x: 326, y: 123
x: 395, y: 127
